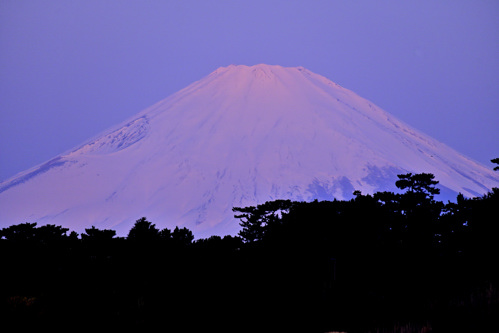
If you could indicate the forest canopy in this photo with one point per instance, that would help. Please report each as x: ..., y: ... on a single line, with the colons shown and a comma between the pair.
x: 372, y: 262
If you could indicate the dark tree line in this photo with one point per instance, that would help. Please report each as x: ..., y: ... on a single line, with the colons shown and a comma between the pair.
x: 387, y: 259
x: 383, y: 261
x: 59, y: 280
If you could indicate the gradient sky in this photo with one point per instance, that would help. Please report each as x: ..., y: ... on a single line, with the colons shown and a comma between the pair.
x: 71, y: 69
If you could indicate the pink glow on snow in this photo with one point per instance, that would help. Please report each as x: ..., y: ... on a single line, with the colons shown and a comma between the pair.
x: 241, y: 136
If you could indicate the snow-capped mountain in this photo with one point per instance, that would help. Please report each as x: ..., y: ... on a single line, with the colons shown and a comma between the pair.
x: 238, y: 137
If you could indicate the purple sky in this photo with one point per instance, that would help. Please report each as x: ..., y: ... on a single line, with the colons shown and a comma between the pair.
x: 71, y: 69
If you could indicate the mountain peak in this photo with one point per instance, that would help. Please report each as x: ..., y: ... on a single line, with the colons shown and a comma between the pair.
x: 241, y: 136
x: 259, y: 70
x: 253, y: 67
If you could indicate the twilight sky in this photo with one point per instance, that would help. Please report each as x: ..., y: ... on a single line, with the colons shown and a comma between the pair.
x: 71, y: 69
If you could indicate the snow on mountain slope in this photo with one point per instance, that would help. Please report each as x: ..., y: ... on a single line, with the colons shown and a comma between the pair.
x: 240, y: 136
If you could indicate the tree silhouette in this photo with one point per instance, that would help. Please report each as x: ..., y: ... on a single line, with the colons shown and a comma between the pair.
x: 182, y: 236
x: 19, y: 232
x: 420, y: 209
x: 421, y: 183
x: 143, y: 231
x: 51, y: 233
x: 256, y: 221
x: 165, y: 234
x: 96, y: 235
x: 496, y: 161
x: 73, y: 235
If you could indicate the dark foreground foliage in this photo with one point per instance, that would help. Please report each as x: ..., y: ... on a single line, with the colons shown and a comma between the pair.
x: 377, y: 263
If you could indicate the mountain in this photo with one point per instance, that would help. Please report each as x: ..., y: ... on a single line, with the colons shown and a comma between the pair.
x: 240, y: 136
